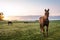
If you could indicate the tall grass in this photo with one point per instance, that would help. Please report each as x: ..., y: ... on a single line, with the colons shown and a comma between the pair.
x: 28, y: 31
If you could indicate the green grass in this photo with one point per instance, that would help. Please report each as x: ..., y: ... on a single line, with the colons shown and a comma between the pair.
x: 28, y: 31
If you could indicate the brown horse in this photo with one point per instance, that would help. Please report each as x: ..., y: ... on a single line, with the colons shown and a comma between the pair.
x: 10, y: 23
x: 44, y: 21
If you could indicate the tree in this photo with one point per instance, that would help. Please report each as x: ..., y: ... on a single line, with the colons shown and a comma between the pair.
x: 1, y: 16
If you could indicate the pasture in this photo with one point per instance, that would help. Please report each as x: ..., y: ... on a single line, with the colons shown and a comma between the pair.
x: 28, y: 31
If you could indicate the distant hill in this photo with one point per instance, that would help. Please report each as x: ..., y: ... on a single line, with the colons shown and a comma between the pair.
x: 31, y: 18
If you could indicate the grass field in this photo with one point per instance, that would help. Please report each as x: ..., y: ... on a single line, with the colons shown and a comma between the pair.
x: 28, y: 31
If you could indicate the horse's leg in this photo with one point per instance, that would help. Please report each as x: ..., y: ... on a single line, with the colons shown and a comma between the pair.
x: 11, y: 23
x: 42, y: 29
x: 8, y: 23
x: 46, y: 30
x: 47, y: 27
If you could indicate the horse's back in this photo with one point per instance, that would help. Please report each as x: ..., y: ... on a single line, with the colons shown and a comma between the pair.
x: 41, y: 20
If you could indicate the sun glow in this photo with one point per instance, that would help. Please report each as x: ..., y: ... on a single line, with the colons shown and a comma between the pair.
x: 24, y: 8
x: 5, y: 18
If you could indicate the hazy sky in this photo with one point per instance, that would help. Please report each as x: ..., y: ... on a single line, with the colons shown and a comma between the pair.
x: 29, y: 7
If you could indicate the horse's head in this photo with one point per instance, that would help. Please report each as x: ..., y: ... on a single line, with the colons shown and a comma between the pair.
x: 47, y: 12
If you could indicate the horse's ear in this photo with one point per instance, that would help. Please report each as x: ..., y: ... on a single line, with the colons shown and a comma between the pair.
x: 48, y: 9
x: 45, y: 9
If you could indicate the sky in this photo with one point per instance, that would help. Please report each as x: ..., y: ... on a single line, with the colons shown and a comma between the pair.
x: 29, y: 7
